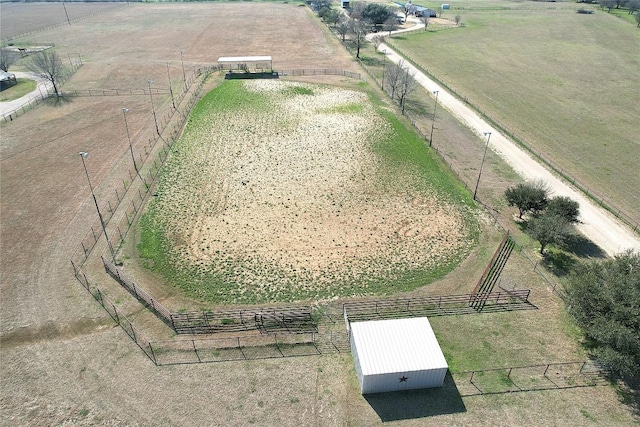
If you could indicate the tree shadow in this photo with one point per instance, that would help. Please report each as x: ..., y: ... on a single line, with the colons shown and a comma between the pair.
x: 413, y: 404
x: 523, y: 224
x: 372, y: 61
x: 417, y: 107
x: 582, y: 247
x: 58, y: 101
x: 628, y: 391
x: 559, y: 263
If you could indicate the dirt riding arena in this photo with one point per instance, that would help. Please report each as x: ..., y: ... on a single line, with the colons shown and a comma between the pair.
x: 64, y: 361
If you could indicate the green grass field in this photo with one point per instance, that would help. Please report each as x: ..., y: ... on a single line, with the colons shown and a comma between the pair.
x: 23, y: 87
x: 563, y: 82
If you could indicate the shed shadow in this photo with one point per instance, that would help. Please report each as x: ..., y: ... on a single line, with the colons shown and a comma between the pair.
x: 413, y: 404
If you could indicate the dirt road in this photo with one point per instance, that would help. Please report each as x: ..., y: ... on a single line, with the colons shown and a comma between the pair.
x: 596, y: 224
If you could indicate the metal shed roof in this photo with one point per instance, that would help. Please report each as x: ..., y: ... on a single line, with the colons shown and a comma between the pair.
x: 238, y: 59
x: 397, y: 345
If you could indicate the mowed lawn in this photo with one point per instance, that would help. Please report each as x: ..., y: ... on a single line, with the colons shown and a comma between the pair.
x: 565, y: 83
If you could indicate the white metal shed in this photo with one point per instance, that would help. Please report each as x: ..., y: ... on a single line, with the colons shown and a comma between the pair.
x: 397, y: 354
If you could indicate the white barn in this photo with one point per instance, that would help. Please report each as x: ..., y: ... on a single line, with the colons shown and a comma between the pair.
x: 397, y: 354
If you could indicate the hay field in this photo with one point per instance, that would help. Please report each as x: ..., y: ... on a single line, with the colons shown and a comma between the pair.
x: 282, y: 191
x: 555, y: 79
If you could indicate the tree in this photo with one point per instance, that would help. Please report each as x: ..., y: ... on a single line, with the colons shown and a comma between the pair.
x: 604, y: 299
x: 359, y: 30
x: 406, y: 86
x: 343, y: 27
x: 633, y: 6
x: 529, y: 197
x: 564, y: 207
x: 377, y: 40
x: 48, y: 64
x: 549, y: 229
x: 324, y: 14
x: 391, y: 24
x: 425, y: 21
x: 392, y: 77
x: 7, y: 58
x: 376, y: 13
x: 356, y: 10
x: 458, y: 19
x: 608, y: 4
x: 333, y: 17
x: 406, y: 10
x: 319, y: 5
x: 638, y: 19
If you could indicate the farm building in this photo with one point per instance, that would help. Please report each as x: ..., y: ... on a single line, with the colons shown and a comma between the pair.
x: 396, y: 354
x: 7, y: 79
x: 423, y: 11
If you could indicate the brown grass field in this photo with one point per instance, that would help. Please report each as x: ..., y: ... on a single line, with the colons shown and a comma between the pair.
x: 63, y: 361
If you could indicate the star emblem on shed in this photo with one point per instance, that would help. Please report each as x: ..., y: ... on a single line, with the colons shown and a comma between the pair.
x: 403, y: 379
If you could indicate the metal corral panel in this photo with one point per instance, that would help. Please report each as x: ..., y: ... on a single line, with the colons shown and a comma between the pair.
x: 398, y: 354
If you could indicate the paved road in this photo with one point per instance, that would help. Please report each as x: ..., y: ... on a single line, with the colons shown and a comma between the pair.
x: 41, y: 90
x: 597, y: 225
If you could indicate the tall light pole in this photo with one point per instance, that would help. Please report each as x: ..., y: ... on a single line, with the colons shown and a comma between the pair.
x: 65, y: 12
x: 126, y: 125
x: 153, y: 108
x: 384, y: 63
x: 83, y: 155
x: 433, y: 121
x: 184, y: 75
x: 488, y: 135
x: 173, y: 102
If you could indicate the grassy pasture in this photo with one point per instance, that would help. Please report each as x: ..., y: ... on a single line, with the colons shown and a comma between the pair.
x: 563, y: 82
x: 280, y: 192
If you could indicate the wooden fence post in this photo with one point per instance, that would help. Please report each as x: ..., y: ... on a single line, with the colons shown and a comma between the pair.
x: 193, y: 343
x: 133, y: 332
x: 99, y: 299
x: 116, y: 313
x: 153, y: 355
